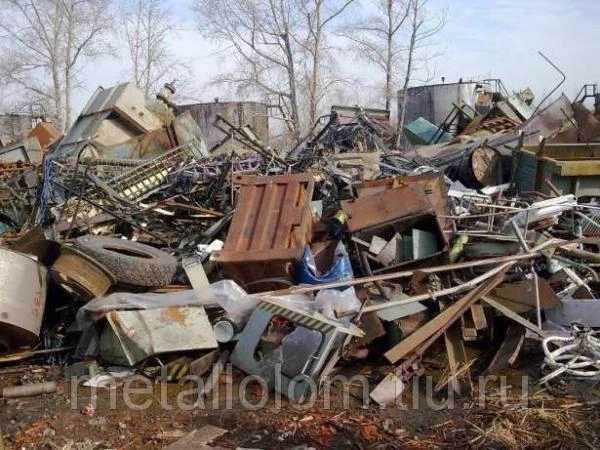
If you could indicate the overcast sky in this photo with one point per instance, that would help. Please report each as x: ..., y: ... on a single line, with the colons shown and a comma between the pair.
x: 482, y: 38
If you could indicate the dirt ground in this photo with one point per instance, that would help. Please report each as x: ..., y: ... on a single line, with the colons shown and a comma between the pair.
x: 52, y: 421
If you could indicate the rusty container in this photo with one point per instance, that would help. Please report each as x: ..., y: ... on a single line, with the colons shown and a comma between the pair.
x: 270, y: 229
x: 22, y: 298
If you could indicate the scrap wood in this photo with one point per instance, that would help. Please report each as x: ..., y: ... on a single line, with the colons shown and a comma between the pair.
x: 460, y: 378
x: 432, y: 295
x: 514, y: 316
x: 421, y: 339
x: 448, y: 377
x: 509, y: 349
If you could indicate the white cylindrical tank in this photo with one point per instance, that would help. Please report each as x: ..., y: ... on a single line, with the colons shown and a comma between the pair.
x: 434, y: 102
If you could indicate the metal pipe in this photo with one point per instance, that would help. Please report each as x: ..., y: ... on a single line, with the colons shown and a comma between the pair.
x: 443, y: 292
x: 29, y: 390
x: 520, y: 237
x: 405, y: 274
x: 538, y: 305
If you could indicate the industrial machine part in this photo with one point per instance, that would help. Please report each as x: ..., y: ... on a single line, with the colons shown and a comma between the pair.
x: 137, y: 183
x: 22, y: 298
x: 132, y: 263
x: 303, y: 357
x: 80, y: 275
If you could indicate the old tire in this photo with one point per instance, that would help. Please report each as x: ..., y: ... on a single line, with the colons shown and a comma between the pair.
x: 132, y: 263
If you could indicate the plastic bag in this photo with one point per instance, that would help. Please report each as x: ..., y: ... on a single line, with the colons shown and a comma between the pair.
x: 340, y: 270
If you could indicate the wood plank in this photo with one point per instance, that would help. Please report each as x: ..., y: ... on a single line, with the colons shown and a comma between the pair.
x: 461, y: 383
x: 435, y: 327
x: 478, y: 314
x: 514, y: 316
x: 509, y: 349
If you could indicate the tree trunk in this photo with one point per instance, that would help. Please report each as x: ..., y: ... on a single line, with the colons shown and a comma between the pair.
x: 316, y: 64
x: 291, y: 71
x: 55, y: 67
x: 411, y: 50
x: 388, y: 60
x: 148, y: 76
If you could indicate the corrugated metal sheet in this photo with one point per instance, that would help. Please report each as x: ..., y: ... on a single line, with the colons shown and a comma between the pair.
x: 526, y: 170
x: 572, y: 168
x: 272, y: 219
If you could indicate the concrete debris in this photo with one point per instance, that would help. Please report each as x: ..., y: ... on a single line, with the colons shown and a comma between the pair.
x: 173, y: 249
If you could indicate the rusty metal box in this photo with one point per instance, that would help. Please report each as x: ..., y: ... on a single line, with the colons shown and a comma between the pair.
x: 270, y: 229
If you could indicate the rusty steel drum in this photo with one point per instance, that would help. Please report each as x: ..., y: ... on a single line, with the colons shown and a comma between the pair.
x: 22, y: 298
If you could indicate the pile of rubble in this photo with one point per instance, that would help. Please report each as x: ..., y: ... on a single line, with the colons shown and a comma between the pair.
x: 129, y: 242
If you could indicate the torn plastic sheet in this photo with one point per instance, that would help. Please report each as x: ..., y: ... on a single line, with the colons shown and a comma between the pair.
x: 224, y: 292
x: 545, y: 209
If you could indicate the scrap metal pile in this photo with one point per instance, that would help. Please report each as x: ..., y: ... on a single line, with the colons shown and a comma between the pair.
x: 131, y: 243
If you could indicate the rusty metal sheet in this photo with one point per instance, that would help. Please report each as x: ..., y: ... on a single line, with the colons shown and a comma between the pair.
x: 270, y: 229
x: 45, y: 133
x: 432, y: 183
x: 385, y: 207
x: 132, y: 336
x: 272, y: 220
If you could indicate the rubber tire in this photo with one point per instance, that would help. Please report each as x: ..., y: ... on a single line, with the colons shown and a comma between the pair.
x: 153, y: 268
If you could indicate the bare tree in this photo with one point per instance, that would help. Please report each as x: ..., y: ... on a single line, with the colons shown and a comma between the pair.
x: 319, y: 15
x: 423, y: 26
x: 261, y: 36
x: 86, y: 23
x: 378, y: 39
x: 44, y: 45
x: 146, y: 29
x: 279, y: 48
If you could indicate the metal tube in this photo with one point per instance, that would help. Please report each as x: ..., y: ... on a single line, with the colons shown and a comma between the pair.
x: 520, y: 237
x: 564, y: 77
x: 29, y: 390
x: 443, y: 292
x: 538, y: 305
x: 109, y: 212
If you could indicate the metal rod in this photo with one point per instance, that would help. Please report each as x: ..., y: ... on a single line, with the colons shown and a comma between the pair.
x: 564, y: 77
x: 109, y: 212
x: 538, y: 305
x: 520, y: 237
x: 443, y: 292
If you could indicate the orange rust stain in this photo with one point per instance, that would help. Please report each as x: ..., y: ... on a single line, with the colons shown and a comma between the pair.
x: 176, y: 315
